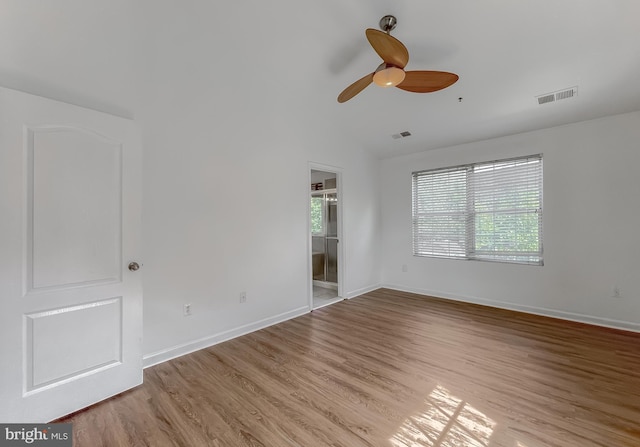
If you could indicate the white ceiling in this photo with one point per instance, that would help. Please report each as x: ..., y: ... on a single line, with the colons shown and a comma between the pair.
x: 505, y: 52
x: 293, y: 59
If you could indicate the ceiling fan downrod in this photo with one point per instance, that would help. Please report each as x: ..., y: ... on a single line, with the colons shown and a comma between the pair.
x: 388, y: 23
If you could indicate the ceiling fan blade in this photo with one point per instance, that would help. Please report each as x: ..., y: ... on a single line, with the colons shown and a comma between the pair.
x: 355, y: 88
x: 390, y: 49
x: 421, y: 81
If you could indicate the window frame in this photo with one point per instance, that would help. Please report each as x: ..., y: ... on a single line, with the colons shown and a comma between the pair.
x: 465, y: 245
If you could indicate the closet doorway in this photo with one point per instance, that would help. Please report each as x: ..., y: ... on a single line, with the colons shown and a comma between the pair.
x: 325, y: 231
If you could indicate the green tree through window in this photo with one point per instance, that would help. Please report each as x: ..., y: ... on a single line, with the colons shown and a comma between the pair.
x: 317, y: 216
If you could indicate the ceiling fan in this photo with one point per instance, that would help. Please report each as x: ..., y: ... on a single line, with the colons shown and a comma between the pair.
x: 390, y: 73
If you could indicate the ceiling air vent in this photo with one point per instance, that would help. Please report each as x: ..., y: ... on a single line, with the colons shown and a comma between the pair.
x: 566, y: 94
x: 546, y: 98
x: 404, y: 134
x: 557, y: 96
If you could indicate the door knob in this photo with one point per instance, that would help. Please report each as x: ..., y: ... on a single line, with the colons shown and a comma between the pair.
x: 133, y: 266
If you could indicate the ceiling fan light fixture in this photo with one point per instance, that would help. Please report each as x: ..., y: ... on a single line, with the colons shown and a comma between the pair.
x: 388, y: 76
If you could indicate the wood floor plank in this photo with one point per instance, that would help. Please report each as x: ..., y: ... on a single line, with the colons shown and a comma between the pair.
x: 388, y: 369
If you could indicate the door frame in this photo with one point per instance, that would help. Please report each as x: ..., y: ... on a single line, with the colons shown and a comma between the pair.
x: 313, y: 166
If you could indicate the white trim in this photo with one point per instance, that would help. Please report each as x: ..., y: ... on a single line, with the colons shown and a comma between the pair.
x: 205, y: 342
x: 362, y: 291
x: 319, y: 192
x: 329, y: 303
x: 553, y: 313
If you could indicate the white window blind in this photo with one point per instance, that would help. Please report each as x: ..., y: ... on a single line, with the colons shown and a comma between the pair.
x: 485, y: 211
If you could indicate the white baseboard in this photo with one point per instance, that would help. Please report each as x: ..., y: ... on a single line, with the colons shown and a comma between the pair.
x: 362, y: 291
x: 580, y: 318
x: 195, y: 345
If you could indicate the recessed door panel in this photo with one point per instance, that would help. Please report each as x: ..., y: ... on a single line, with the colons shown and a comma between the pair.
x: 67, y: 343
x: 75, y: 206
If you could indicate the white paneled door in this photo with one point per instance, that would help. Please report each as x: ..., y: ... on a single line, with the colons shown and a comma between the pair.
x: 70, y: 298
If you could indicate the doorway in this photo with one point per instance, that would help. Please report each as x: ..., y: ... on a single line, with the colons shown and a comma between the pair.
x: 325, y: 229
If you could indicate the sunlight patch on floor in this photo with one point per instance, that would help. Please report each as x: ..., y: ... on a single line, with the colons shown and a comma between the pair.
x: 446, y: 421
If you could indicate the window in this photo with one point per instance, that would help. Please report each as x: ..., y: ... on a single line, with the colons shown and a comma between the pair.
x: 485, y: 211
x: 317, y: 216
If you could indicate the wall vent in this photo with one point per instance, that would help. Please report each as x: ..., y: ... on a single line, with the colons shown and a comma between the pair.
x: 404, y: 134
x: 558, y: 96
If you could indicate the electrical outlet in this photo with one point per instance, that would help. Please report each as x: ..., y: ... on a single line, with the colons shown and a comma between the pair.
x: 615, y: 292
x: 243, y: 297
x: 405, y: 268
x: 186, y: 311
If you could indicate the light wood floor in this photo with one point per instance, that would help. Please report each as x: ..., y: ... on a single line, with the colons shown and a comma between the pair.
x: 388, y: 369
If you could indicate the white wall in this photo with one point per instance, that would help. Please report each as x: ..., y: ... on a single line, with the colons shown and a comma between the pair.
x: 228, y: 133
x: 228, y: 136
x: 591, y: 221
x: 232, y: 216
x: 228, y: 144
x: 76, y: 51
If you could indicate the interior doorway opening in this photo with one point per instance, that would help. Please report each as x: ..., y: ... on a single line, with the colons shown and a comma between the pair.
x: 325, y: 240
